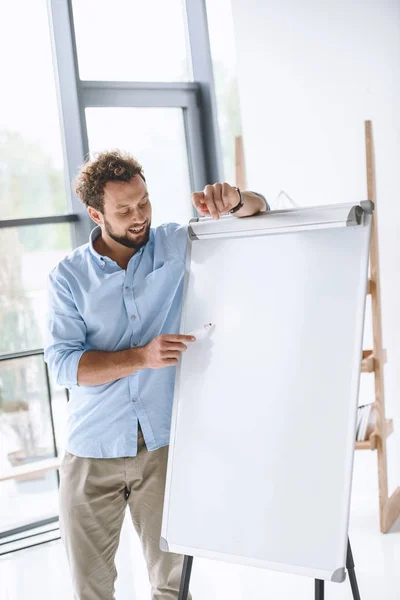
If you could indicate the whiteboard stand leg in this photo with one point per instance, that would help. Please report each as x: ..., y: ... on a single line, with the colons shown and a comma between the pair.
x: 320, y: 584
x: 319, y: 589
x: 352, y: 573
x: 186, y: 571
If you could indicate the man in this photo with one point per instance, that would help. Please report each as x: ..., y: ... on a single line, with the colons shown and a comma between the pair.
x: 115, y: 307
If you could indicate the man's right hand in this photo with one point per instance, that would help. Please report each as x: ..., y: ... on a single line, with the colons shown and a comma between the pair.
x: 164, y: 350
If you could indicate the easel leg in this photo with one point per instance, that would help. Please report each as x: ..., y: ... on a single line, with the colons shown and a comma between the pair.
x: 352, y: 573
x: 185, y: 579
x: 319, y: 589
x: 320, y: 584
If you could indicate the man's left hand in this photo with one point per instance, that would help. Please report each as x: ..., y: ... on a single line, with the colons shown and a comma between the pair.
x: 216, y: 200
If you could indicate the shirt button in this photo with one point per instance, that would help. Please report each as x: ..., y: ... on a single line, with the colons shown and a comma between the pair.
x: 134, y: 399
x: 133, y: 317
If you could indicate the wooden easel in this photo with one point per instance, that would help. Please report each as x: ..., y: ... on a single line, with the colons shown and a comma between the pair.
x: 372, y: 360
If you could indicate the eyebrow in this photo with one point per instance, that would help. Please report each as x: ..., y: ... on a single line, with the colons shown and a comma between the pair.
x: 128, y: 205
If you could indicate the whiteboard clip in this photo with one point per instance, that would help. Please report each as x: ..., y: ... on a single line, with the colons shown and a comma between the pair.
x: 356, y: 212
x: 354, y: 216
x: 339, y: 575
x: 164, y: 545
x: 368, y: 206
x: 191, y: 233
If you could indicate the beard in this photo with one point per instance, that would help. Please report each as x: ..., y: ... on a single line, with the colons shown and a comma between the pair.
x: 129, y: 240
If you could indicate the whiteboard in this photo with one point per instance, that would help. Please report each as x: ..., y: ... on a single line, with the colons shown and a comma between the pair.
x: 264, y: 415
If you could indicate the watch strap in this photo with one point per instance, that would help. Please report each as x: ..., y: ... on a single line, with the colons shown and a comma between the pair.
x: 238, y: 206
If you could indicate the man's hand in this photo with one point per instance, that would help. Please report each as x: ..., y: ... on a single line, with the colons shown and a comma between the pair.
x: 164, y: 350
x: 216, y: 200
x: 97, y: 367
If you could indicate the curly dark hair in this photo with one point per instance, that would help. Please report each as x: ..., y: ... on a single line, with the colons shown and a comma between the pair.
x: 108, y: 165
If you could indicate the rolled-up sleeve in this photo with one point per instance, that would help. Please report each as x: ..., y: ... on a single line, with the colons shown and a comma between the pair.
x: 66, y: 333
x: 267, y: 206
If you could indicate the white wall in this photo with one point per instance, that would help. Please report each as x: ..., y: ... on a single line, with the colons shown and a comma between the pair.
x: 310, y: 73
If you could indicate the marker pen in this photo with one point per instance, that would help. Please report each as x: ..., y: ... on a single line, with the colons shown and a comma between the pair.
x: 201, y: 332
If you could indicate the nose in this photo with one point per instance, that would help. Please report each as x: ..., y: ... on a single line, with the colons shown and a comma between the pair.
x: 138, y: 219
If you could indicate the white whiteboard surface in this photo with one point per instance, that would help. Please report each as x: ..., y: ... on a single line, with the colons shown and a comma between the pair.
x: 263, y: 426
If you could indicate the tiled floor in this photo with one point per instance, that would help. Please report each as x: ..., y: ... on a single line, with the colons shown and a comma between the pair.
x: 42, y: 573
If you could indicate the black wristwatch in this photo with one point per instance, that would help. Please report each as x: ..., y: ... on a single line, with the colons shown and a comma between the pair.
x: 239, y: 206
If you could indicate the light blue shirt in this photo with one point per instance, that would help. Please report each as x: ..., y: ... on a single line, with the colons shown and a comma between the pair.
x: 96, y: 305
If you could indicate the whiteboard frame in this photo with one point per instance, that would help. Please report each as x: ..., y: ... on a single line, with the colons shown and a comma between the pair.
x: 339, y: 215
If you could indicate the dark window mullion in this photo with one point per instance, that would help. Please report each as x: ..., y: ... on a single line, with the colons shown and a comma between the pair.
x: 137, y: 96
x: 71, y: 218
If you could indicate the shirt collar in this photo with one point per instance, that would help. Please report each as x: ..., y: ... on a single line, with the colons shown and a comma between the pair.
x: 102, y: 260
x: 94, y: 234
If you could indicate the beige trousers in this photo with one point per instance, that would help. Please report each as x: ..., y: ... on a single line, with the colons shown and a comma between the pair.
x: 94, y: 493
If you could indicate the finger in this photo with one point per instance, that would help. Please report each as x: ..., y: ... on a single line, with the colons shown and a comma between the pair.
x: 230, y: 196
x: 209, y: 201
x: 198, y: 202
x: 174, y: 346
x: 169, y: 362
x: 170, y: 354
x: 177, y: 337
x: 218, y: 198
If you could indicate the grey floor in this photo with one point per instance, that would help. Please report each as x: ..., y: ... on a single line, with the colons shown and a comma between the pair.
x: 42, y: 573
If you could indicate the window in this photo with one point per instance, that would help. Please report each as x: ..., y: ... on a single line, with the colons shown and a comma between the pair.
x: 156, y: 137
x: 31, y: 163
x: 27, y: 254
x: 26, y: 437
x: 154, y: 111
x: 31, y: 186
x: 224, y: 67
x: 135, y: 41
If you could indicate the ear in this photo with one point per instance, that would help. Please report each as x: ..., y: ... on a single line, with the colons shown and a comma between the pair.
x: 95, y: 215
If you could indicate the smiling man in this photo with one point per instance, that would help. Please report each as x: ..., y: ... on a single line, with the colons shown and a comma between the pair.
x: 114, y: 317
